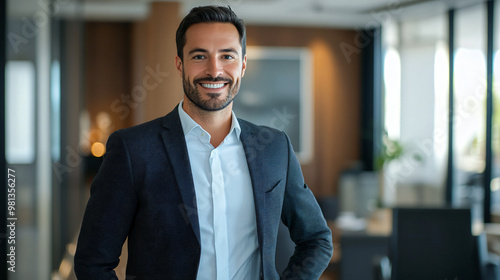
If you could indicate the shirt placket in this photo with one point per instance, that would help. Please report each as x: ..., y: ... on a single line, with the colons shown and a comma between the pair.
x: 219, y: 214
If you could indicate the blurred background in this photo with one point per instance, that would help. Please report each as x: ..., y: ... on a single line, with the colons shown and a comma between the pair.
x: 398, y: 105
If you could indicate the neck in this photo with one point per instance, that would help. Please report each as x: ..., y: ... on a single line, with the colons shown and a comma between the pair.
x: 216, y: 123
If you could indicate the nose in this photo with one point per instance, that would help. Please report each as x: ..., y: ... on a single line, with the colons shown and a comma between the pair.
x: 214, y: 67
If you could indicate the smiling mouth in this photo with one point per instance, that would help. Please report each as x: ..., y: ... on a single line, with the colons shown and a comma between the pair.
x: 212, y: 86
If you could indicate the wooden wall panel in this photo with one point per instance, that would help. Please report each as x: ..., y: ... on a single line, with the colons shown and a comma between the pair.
x: 154, y: 50
x: 106, y: 76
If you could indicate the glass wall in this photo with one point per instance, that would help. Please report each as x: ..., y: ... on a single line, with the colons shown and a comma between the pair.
x: 34, y: 144
x: 28, y: 137
x: 495, y: 183
x: 415, y: 87
x: 417, y: 113
x: 469, y: 119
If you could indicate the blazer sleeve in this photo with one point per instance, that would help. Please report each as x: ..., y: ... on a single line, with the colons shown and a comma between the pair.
x: 307, y: 226
x: 108, y: 216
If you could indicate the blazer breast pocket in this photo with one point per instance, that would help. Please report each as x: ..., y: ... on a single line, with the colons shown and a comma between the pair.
x: 274, y: 188
x: 274, y: 200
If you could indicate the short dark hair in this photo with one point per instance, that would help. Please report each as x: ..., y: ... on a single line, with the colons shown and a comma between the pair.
x: 209, y: 14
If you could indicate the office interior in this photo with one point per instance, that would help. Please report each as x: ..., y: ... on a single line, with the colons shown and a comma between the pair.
x: 398, y: 109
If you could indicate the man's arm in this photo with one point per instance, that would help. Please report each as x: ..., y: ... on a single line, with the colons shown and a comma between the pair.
x: 307, y: 226
x: 108, y: 216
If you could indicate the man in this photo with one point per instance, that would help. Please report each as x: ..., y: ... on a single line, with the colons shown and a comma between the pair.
x: 199, y: 193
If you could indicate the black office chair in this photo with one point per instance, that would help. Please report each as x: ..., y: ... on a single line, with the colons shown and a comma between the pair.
x: 358, y: 250
x: 488, y: 263
x: 381, y: 267
x: 430, y: 243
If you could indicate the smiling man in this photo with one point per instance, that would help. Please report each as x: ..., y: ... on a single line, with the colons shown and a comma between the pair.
x: 217, y: 71
x: 199, y: 193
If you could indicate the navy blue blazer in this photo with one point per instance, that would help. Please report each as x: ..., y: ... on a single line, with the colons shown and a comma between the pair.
x: 144, y: 191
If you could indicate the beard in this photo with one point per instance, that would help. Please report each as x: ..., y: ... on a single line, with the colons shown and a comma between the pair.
x: 213, y: 103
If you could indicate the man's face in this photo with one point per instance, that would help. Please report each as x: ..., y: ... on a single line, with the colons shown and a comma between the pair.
x: 212, y: 66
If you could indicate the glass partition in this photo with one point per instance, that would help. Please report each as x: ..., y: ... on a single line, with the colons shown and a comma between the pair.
x: 416, y: 94
x: 33, y: 138
x: 469, y: 122
x: 28, y: 133
x: 495, y: 182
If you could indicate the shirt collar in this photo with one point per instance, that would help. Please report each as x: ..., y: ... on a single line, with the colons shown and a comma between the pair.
x: 188, y: 124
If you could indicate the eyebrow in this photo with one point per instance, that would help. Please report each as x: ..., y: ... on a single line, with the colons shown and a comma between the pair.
x: 197, y: 50
x: 230, y: 50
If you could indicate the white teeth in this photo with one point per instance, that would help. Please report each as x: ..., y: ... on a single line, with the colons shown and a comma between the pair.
x: 213, y: 85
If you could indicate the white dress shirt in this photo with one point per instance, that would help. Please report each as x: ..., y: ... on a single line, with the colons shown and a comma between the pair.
x: 226, y: 209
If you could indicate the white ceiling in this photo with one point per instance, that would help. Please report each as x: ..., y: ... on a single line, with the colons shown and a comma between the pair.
x: 330, y: 13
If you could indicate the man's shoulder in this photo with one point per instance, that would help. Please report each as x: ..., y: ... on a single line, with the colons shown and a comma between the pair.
x: 147, y: 129
x: 262, y: 135
x: 255, y: 128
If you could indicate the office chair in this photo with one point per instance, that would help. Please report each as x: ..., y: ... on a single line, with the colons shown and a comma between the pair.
x: 488, y: 263
x: 381, y: 268
x: 430, y: 243
x: 357, y: 252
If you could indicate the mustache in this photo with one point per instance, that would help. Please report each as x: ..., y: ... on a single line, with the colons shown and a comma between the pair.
x: 211, y: 79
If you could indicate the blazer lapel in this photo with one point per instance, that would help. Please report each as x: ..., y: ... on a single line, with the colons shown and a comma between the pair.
x: 175, y: 144
x: 251, y: 147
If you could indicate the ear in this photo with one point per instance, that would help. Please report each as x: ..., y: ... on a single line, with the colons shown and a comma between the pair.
x: 244, y: 66
x: 178, y: 65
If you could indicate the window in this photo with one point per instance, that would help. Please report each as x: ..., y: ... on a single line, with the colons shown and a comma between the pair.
x: 469, y: 119
x: 416, y: 94
x: 420, y: 95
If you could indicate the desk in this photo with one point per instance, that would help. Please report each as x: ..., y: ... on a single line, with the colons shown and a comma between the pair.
x: 379, y: 224
x: 493, y: 237
x: 361, y: 246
